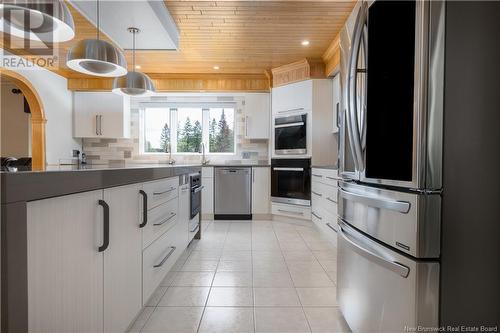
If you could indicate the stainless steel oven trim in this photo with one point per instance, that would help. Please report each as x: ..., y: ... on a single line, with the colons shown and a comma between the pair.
x: 288, y: 169
x: 298, y: 202
x: 290, y: 151
x: 428, y: 100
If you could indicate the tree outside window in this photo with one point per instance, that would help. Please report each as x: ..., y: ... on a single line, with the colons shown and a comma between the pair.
x: 156, y: 130
x: 189, y: 130
x: 221, y: 130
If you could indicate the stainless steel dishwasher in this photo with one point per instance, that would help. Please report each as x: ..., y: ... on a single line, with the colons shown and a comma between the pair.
x: 233, y: 193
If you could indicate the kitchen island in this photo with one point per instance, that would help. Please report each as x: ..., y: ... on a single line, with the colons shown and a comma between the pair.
x: 104, y: 236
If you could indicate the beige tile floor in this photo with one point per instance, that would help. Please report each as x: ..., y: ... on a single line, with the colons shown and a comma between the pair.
x: 252, y: 276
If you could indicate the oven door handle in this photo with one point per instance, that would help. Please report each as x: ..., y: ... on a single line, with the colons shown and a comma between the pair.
x: 288, y: 169
x: 372, y: 255
x: 300, y: 123
x: 198, y: 189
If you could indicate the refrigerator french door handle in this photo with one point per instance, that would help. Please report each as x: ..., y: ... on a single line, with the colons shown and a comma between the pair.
x: 347, y: 232
x: 399, y: 206
x: 353, y: 125
x: 364, y: 94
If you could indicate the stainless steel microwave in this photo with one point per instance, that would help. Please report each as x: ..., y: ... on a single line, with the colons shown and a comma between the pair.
x: 290, y: 134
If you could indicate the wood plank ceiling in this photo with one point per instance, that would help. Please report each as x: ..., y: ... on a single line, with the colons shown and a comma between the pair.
x: 241, y: 37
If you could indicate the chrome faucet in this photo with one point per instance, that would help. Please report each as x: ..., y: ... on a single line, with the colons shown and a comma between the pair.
x: 204, y: 160
x: 171, y: 161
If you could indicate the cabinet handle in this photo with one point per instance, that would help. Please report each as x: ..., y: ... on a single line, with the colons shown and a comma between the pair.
x: 246, y: 126
x: 96, y: 124
x: 319, y: 176
x: 290, y: 212
x: 291, y: 110
x: 329, y: 225
x: 317, y: 216
x: 166, y: 220
x: 105, y: 236
x: 316, y: 193
x: 172, y: 249
x: 332, y: 178
x: 331, y: 200
x: 163, y: 192
x: 100, y: 124
x: 338, y: 115
x: 144, y: 209
x: 253, y: 175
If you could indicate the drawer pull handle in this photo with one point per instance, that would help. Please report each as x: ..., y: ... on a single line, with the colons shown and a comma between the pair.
x: 377, y: 202
x: 166, y: 220
x: 332, y: 178
x: 195, y: 229
x: 105, y: 236
x: 319, y: 176
x: 172, y: 249
x: 329, y: 225
x: 317, y: 216
x: 163, y: 192
x: 316, y: 193
x: 331, y: 200
x: 144, y: 209
x: 290, y: 212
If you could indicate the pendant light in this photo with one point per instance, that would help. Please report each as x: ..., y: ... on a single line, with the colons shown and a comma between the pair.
x: 134, y: 83
x: 97, y: 57
x: 38, y: 20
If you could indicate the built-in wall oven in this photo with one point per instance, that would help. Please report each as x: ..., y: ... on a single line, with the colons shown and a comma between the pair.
x: 290, y: 134
x: 389, y: 201
x: 196, y: 188
x: 291, y: 181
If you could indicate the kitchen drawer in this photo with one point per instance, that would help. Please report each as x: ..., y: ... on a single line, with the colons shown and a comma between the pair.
x: 157, y: 260
x: 161, y: 191
x: 326, y: 223
x: 160, y: 219
x: 298, y: 212
x: 325, y: 193
x: 325, y: 176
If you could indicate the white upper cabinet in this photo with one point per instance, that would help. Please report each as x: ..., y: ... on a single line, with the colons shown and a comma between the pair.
x: 257, y: 116
x: 296, y: 96
x: 101, y: 115
x: 336, y: 103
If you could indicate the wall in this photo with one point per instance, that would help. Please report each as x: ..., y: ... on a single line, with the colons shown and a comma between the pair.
x: 57, y: 103
x: 105, y: 151
x: 15, y: 130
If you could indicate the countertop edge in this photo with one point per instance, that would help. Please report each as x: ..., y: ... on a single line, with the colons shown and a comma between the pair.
x: 29, y: 186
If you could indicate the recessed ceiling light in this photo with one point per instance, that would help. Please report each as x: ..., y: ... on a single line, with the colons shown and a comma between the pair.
x: 216, y: 67
x: 137, y: 66
x: 305, y: 43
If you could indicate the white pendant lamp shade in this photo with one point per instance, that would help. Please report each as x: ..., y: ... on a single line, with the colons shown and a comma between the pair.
x: 134, y: 83
x: 38, y: 20
x: 97, y: 57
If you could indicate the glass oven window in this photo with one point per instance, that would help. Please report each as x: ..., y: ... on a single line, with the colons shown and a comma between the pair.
x: 390, y: 81
x: 290, y: 132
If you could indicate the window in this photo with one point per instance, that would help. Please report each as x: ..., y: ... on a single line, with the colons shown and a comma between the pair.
x: 183, y: 129
x: 156, y: 130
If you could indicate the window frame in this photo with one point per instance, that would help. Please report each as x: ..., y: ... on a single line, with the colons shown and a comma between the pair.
x: 173, y: 119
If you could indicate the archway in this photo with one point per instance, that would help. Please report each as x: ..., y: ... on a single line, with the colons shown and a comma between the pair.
x: 37, y: 116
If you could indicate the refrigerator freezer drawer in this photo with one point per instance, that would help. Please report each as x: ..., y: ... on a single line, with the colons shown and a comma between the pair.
x: 380, y: 290
x: 409, y: 222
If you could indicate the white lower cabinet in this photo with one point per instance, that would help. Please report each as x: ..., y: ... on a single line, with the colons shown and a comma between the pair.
x: 122, y: 258
x: 324, y: 201
x: 89, y: 269
x: 207, y: 195
x: 261, y: 190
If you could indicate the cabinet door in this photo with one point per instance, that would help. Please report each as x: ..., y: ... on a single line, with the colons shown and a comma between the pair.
x: 207, y: 196
x: 257, y: 116
x: 65, y: 269
x: 261, y: 188
x: 336, y: 103
x: 184, y: 214
x: 122, y: 258
x: 101, y: 115
x: 292, y: 97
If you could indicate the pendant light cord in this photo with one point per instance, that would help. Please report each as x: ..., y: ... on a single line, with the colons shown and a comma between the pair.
x: 133, y: 50
x: 98, y: 20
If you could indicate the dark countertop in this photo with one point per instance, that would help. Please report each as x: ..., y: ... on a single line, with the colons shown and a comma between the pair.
x: 27, y: 185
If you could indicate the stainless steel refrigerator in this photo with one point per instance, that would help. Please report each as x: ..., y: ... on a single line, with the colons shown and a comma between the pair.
x: 390, y: 161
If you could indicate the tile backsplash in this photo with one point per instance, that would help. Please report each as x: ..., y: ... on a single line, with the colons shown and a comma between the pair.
x: 113, y: 151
